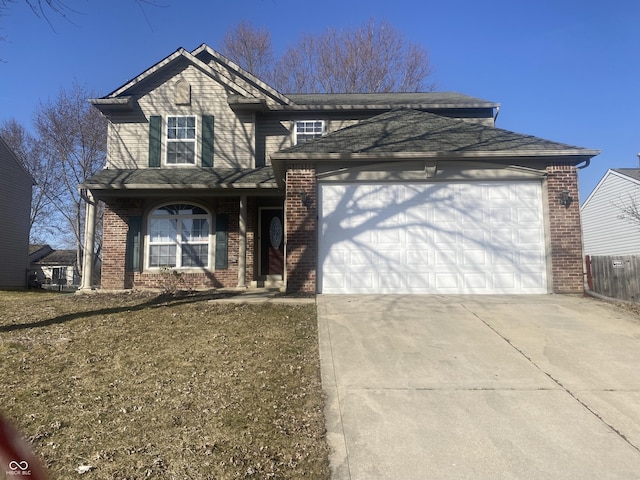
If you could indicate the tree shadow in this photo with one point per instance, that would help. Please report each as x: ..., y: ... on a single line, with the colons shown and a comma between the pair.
x: 157, y: 301
x: 374, y: 209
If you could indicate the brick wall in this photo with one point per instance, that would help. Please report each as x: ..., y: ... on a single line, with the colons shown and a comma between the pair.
x: 566, y: 235
x: 301, y: 229
x: 115, y: 276
x: 114, y: 243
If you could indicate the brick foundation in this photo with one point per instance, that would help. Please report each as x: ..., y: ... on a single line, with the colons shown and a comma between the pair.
x: 565, y: 230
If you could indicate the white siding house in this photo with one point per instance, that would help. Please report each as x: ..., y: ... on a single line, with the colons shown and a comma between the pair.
x: 605, y: 229
x: 15, y: 207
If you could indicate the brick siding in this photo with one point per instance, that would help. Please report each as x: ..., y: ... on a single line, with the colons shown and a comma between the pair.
x: 565, y: 230
x: 116, y: 277
x: 301, y: 221
x: 114, y: 243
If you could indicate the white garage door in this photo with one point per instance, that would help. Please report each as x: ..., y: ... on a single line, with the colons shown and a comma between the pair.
x: 431, y: 238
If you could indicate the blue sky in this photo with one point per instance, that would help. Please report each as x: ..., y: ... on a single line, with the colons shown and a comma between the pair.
x: 564, y: 70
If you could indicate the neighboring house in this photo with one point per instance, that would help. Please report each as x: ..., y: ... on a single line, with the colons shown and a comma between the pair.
x: 605, y: 229
x: 49, y: 267
x: 215, y: 174
x: 15, y: 212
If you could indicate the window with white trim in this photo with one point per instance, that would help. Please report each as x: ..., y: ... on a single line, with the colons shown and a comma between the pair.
x: 308, y: 130
x: 179, y: 237
x: 181, y: 140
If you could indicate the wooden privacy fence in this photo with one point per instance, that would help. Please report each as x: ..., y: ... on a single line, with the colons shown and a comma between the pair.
x: 615, y: 276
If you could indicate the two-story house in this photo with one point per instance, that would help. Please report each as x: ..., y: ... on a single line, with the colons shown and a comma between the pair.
x: 213, y: 173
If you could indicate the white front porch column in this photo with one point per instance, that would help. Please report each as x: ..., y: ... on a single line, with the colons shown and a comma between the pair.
x: 89, y: 242
x: 242, y: 243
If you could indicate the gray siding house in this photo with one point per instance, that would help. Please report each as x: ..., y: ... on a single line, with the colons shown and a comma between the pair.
x: 214, y: 174
x: 605, y: 229
x: 15, y: 202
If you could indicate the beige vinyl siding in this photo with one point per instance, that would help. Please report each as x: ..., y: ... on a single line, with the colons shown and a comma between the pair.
x: 604, y: 232
x: 234, y: 133
x: 275, y: 134
x: 15, y: 199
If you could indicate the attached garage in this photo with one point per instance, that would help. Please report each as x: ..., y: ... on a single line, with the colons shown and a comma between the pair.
x: 410, y: 202
x: 444, y: 238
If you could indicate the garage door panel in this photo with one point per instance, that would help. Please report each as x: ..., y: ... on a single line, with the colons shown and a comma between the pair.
x: 476, y: 258
x: 502, y: 257
x: 530, y: 258
x: 446, y: 281
x: 419, y: 257
x: 475, y: 282
x: 444, y: 234
x: 504, y: 281
x: 431, y: 238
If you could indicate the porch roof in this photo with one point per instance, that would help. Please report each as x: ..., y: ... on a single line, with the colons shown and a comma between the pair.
x: 261, y: 178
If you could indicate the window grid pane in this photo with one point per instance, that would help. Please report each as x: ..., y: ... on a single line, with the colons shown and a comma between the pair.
x: 308, y: 130
x: 164, y: 230
x: 195, y: 230
x: 181, y: 136
x: 179, y: 237
x: 195, y: 255
x: 162, y: 256
x: 181, y: 152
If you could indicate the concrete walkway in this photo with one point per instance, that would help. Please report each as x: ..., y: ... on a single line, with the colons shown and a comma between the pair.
x: 480, y: 387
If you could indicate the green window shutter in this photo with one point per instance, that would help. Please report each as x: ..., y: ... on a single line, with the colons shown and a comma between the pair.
x: 134, y: 247
x: 155, y: 140
x: 222, y: 241
x: 207, y: 140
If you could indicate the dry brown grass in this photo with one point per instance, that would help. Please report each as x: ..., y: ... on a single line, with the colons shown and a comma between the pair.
x: 140, y: 386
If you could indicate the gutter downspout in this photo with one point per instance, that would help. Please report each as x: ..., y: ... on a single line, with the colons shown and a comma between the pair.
x: 587, y: 162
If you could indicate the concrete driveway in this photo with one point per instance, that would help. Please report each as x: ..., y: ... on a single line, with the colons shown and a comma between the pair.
x: 475, y: 387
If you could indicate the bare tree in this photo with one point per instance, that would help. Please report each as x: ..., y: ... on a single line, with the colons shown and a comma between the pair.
x: 44, y: 222
x: 629, y: 208
x: 250, y: 48
x: 44, y: 9
x: 372, y: 58
x: 74, y: 135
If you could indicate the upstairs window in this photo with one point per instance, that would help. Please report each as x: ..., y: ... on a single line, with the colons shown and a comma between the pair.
x: 308, y: 130
x: 181, y: 140
x: 179, y: 237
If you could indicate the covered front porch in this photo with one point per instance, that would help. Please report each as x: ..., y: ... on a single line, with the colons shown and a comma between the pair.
x: 210, y: 229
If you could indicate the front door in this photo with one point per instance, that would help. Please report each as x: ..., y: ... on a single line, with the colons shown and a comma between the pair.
x: 271, y: 241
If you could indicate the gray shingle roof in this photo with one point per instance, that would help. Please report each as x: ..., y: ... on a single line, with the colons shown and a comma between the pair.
x: 58, y: 257
x: 423, y: 99
x: 262, y: 177
x: 629, y: 172
x: 406, y: 130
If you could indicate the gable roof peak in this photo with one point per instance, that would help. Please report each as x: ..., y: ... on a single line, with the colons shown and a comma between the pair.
x: 209, y: 61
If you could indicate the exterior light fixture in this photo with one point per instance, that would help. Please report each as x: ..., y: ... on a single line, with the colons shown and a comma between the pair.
x: 303, y: 197
x: 565, y: 199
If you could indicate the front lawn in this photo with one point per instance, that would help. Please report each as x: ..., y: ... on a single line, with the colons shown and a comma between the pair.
x: 143, y: 386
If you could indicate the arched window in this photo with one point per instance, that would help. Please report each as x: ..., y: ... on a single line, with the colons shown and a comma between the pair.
x: 179, y: 237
